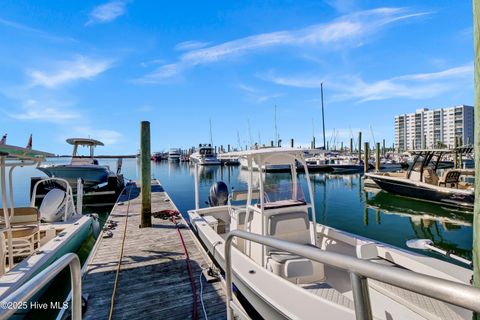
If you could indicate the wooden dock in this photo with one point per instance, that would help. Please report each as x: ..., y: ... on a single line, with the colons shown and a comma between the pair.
x: 153, y: 282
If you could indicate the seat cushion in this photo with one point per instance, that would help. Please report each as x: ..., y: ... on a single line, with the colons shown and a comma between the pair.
x: 283, y: 256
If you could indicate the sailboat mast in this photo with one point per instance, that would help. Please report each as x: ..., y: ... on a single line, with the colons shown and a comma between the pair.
x: 323, y: 116
x: 275, y: 125
x: 211, y: 139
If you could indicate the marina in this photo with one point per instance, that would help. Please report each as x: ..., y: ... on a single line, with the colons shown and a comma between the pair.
x: 320, y: 166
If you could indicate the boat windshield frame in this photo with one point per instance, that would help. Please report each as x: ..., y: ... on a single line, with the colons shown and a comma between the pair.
x: 426, y: 156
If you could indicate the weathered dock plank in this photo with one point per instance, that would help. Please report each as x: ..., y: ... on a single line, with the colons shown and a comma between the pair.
x: 153, y: 281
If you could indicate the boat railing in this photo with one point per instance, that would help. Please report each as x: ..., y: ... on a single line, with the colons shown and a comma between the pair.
x: 455, y: 293
x: 20, y: 297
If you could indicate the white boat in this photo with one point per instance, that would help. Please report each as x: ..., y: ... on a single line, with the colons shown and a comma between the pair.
x: 279, y: 284
x: 85, y: 167
x: 27, y: 242
x: 174, y: 154
x: 205, y: 155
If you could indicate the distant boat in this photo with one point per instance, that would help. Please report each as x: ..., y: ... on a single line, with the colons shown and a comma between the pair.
x: 157, y: 156
x: 174, y: 154
x: 85, y: 167
x: 205, y: 155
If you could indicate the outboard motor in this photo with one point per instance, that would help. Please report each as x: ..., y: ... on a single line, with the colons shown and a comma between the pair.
x: 218, y: 195
x: 53, y: 205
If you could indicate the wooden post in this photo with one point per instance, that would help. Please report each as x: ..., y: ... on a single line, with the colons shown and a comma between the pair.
x: 271, y: 143
x: 341, y: 146
x: 377, y: 157
x: 384, y: 150
x: 366, y: 148
x: 359, y: 145
x: 351, y: 145
x: 476, y: 141
x: 146, y: 175
x: 328, y: 148
x: 228, y: 148
x: 313, y: 147
x: 455, y: 154
x: 291, y: 143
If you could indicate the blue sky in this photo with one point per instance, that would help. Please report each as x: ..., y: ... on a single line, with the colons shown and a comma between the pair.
x: 93, y: 68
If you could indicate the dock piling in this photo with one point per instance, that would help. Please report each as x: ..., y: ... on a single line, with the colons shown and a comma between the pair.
x: 359, y: 145
x: 145, y: 172
x: 366, y: 148
x: 377, y: 157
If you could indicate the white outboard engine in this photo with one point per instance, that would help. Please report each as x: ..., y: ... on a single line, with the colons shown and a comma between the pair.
x: 53, y: 206
x: 218, y: 195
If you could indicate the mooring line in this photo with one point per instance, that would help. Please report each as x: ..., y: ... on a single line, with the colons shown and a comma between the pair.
x: 112, y: 301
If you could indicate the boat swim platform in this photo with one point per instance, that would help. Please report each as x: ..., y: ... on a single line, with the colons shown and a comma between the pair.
x: 153, y: 281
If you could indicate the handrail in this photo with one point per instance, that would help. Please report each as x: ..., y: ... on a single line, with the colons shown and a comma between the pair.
x: 448, y: 291
x: 31, y: 287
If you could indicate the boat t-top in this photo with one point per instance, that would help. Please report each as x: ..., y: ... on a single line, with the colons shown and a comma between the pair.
x: 320, y: 272
x: 424, y: 181
x: 85, y: 167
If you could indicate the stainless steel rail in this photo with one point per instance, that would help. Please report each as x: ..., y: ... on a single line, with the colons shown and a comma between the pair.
x: 448, y: 291
x: 20, y: 297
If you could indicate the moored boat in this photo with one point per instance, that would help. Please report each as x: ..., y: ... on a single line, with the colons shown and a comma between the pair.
x: 283, y: 285
x: 85, y: 167
x: 422, y: 180
x: 28, y: 242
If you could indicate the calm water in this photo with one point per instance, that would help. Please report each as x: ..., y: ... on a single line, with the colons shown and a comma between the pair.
x: 340, y: 202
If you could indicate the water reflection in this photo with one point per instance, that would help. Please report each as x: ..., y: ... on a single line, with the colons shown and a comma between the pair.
x: 340, y: 202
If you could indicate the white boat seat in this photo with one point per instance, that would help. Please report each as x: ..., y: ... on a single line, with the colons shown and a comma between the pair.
x: 289, y: 266
x: 283, y: 256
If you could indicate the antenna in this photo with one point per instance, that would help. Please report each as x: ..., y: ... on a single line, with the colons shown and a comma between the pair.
x: 249, y: 132
x: 373, y: 136
x: 238, y: 140
x: 211, y: 139
x: 275, y: 125
x: 323, y: 116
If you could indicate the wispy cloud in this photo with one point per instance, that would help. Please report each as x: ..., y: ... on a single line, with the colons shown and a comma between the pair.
x: 38, y: 32
x: 191, y: 45
x: 411, y: 86
x: 257, y: 95
x: 68, y: 71
x: 107, y: 12
x: 109, y: 137
x: 348, y: 30
x: 54, y: 112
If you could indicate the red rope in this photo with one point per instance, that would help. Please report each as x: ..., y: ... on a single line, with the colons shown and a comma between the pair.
x: 190, y: 272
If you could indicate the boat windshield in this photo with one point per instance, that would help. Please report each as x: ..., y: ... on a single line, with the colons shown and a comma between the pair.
x: 206, y: 152
x: 283, y: 190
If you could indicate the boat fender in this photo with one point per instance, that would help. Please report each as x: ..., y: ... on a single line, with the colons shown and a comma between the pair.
x: 218, y: 195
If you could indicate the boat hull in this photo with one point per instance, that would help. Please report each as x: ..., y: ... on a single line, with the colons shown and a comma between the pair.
x: 91, y: 175
x: 423, y: 191
x: 75, y: 234
x: 346, y: 168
